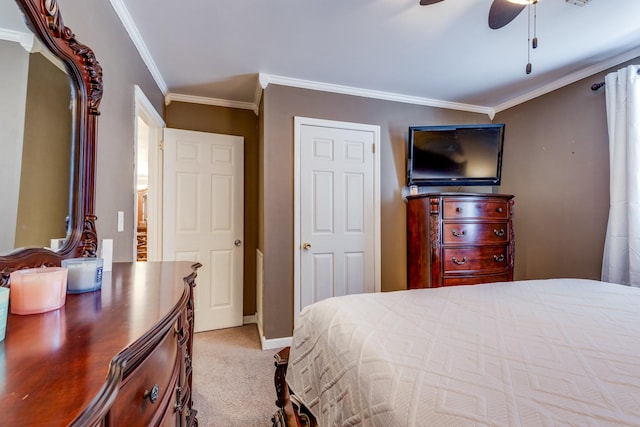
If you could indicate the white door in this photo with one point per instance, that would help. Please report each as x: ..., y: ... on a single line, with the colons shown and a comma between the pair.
x: 203, y: 219
x: 337, y: 223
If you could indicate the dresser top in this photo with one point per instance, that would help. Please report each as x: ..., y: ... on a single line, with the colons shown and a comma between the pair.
x: 55, y: 363
x: 454, y: 194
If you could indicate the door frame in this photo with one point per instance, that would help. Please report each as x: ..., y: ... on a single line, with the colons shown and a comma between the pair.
x: 144, y: 110
x: 297, y: 141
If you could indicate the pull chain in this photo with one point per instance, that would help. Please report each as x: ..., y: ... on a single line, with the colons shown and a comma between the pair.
x: 534, y: 42
x: 531, y: 43
x: 528, y: 68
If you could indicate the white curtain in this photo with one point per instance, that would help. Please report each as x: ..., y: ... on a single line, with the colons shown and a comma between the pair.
x: 621, y: 260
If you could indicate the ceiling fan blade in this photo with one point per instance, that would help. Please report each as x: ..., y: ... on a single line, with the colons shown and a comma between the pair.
x: 428, y: 2
x: 502, y: 12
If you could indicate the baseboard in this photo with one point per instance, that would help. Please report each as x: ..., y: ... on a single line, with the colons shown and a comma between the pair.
x: 247, y: 320
x: 275, y: 343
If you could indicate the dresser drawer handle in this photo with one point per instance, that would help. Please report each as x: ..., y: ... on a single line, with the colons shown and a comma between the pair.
x: 498, y: 233
x: 455, y: 260
x: 499, y: 210
x: 458, y: 209
x: 499, y: 258
x: 152, y: 394
x: 458, y: 233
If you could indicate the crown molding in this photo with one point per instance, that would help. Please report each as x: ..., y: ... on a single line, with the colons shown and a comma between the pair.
x: 266, y: 79
x: 39, y: 48
x: 28, y: 41
x: 136, y: 38
x: 571, y: 78
x: 257, y: 96
x: 31, y: 44
x: 208, y: 101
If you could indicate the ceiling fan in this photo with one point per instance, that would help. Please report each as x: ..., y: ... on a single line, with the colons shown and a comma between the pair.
x: 504, y: 11
x: 501, y: 12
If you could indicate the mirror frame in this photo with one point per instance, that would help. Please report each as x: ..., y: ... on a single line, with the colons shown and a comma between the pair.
x: 85, y: 77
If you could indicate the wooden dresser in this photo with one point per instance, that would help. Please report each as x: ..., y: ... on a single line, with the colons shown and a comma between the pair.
x: 120, y: 356
x: 459, y: 239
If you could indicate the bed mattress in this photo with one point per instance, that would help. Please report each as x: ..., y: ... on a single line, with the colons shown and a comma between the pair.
x: 529, y: 353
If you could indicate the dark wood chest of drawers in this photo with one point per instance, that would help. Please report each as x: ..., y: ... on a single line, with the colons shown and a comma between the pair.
x: 459, y: 239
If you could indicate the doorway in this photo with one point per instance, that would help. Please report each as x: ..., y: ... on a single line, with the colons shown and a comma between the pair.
x: 148, y: 180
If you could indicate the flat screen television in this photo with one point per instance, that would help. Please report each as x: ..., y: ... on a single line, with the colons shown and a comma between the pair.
x: 455, y: 155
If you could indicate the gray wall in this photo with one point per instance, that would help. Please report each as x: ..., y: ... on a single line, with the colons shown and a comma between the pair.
x: 96, y: 24
x: 557, y: 164
x: 14, y: 68
x: 281, y: 104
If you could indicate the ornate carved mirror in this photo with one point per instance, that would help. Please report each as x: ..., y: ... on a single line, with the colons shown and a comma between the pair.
x: 85, y: 79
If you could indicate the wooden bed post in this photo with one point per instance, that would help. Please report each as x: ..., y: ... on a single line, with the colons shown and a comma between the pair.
x: 287, y: 414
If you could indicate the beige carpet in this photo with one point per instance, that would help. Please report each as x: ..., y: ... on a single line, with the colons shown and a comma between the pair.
x: 233, y: 378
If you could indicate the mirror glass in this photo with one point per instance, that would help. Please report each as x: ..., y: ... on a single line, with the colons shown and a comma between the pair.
x: 35, y: 138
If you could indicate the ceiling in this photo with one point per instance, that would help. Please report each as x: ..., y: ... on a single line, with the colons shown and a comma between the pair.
x: 443, y: 54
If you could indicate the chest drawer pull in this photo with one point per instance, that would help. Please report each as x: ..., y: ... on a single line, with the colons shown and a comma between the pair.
x: 152, y: 394
x: 459, y: 233
x: 499, y: 258
x: 499, y: 210
x: 498, y: 233
x: 455, y: 260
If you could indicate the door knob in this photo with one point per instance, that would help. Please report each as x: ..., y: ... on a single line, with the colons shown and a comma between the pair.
x: 238, y: 242
x: 306, y: 246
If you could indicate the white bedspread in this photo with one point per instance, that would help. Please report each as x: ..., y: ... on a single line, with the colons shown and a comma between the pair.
x: 530, y: 353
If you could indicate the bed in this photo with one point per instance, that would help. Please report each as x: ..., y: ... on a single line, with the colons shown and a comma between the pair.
x: 527, y: 353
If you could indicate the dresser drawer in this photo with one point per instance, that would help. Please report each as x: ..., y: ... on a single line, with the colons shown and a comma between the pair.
x: 459, y: 239
x: 471, y: 209
x: 148, y: 393
x: 476, y: 233
x: 474, y: 280
x: 486, y: 259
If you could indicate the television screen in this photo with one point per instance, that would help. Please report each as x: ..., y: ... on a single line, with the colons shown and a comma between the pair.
x: 455, y: 155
